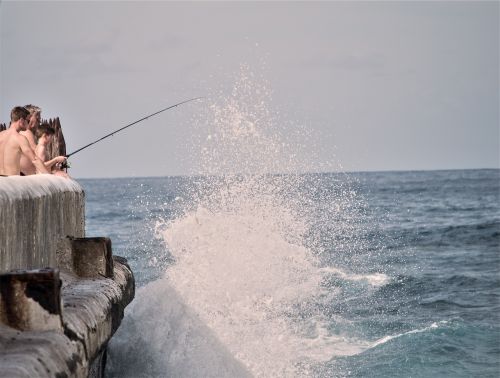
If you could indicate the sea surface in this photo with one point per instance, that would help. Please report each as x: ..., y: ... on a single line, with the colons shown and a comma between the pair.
x: 380, y: 274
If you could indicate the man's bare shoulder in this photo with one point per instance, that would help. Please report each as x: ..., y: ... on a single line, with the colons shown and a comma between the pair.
x: 5, y: 135
x: 13, y: 138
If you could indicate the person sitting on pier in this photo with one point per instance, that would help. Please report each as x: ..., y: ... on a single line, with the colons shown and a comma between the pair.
x: 34, y: 118
x: 44, y: 135
x: 13, y: 145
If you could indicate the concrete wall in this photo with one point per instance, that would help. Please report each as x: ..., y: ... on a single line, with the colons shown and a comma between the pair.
x: 55, y: 322
x: 35, y: 213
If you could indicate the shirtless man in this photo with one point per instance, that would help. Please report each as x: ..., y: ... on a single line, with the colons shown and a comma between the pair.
x: 34, y: 119
x: 13, y: 145
x: 44, y: 134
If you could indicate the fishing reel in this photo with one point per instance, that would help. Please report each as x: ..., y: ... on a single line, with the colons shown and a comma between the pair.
x: 64, y: 165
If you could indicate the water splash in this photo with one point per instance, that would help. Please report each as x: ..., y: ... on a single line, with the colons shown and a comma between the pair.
x: 247, y: 280
x: 242, y: 261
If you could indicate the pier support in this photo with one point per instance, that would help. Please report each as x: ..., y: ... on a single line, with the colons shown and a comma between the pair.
x: 86, y: 257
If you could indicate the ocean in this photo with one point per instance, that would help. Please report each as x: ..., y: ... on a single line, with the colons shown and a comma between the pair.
x: 376, y: 274
x: 251, y: 267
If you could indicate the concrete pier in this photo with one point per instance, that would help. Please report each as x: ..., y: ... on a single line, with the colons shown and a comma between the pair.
x: 62, y: 296
x: 35, y: 212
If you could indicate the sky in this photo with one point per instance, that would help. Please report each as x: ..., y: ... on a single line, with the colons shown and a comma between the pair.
x: 378, y: 85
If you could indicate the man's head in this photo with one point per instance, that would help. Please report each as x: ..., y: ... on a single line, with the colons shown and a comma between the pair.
x: 35, y: 115
x: 44, y: 133
x: 20, y: 115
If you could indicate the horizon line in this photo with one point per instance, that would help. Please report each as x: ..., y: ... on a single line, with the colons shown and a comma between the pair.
x: 292, y: 173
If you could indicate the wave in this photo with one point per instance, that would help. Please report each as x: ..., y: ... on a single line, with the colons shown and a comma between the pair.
x: 388, y: 338
x: 443, y: 304
x: 482, y: 233
x: 252, y: 286
x: 373, y: 279
x: 246, y: 287
x: 161, y: 336
x: 245, y: 250
x: 484, y: 228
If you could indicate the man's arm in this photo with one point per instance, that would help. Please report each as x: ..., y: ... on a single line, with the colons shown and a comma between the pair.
x: 30, y: 154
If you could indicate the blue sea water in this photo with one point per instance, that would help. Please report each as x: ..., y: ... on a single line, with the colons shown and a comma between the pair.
x: 380, y: 274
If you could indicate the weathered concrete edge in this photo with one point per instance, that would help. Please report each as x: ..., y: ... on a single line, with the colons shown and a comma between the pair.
x: 35, y: 212
x: 92, y: 312
x: 13, y: 188
x: 93, y: 308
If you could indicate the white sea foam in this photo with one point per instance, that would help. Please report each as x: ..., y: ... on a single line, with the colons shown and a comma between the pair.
x: 385, y: 339
x: 252, y: 287
x: 162, y: 337
x: 374, y: 279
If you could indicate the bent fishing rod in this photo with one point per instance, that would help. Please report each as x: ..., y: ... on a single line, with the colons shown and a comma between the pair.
x: 131, y: 124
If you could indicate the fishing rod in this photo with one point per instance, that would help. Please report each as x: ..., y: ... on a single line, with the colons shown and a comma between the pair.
x: 131, y: 124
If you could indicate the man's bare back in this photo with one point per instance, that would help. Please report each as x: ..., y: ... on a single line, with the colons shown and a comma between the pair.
x: 13, y: 145
x: 11, y: 149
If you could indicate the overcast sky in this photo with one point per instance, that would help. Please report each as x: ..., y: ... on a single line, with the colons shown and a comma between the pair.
x: 379, y: 85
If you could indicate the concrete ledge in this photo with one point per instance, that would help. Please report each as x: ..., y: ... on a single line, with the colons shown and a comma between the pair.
x: 35, y: 212
x: 50, y: 354
x: 91, y: 313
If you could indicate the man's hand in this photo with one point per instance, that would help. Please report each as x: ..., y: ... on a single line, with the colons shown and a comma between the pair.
x: 57, y: 161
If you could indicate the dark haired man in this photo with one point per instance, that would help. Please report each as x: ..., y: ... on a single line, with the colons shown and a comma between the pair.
x: 13, y: 145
